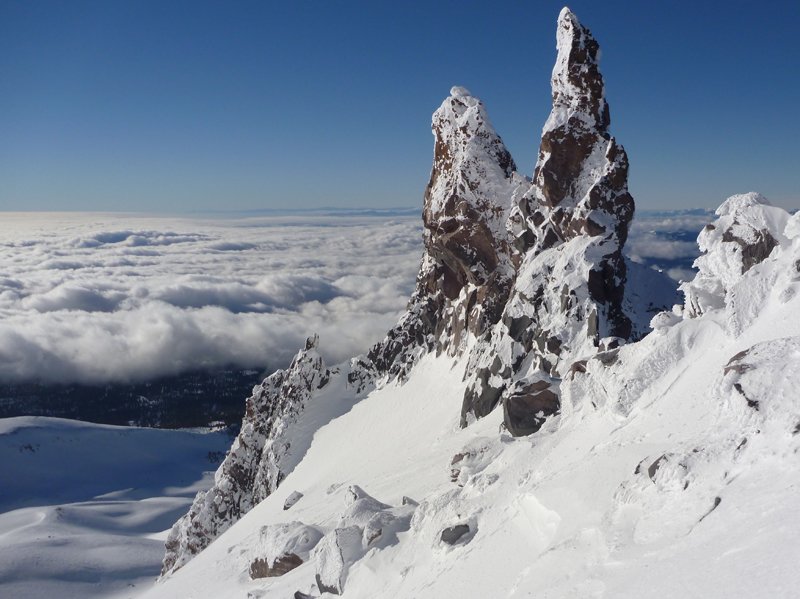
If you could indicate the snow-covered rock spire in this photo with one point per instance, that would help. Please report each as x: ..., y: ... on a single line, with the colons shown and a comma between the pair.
x: 569, y: 228
x: 581, y: 176
x: 467, y: 269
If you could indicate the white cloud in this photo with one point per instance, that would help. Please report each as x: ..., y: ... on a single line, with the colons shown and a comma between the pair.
x: 667, y: 240
x: 97, y: 298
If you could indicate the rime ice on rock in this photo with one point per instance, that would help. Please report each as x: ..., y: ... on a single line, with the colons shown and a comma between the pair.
x: 746, y: 231
x: 569, y: 227
x: 467, y: 269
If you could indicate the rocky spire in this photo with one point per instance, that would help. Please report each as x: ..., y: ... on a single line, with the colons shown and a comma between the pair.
x: 581, y: 176
x: 467, y: 270
x: 537, y: 286
x: 569, y: 228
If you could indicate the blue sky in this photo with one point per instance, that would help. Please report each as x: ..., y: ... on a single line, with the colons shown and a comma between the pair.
x: 183, y: 106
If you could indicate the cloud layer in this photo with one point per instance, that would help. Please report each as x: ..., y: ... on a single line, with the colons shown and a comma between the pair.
x: 667, y: 241
x: 98, y: 298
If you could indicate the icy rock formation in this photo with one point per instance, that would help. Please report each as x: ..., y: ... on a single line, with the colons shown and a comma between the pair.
x: 365, y: 523
x: 467, y: 269
x: 527, y: 277
x: 570, y: 228
x: 746, y: 231
x: 253, y: 467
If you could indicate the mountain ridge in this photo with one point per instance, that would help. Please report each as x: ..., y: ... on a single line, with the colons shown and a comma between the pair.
x: 525, y: 308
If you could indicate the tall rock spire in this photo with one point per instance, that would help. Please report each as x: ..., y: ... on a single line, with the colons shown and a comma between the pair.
x: 581, y: 176
x: 569, y: 228
x: 467, y: 270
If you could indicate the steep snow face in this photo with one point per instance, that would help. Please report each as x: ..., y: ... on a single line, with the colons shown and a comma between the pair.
x: 570, y: 226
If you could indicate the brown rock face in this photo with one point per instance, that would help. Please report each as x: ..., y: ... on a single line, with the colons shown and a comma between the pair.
x: 569, y: 228
x: 526, y: 408
x: 467, y: 270
x: 581, y: 178
x: 754, y: 251
x: 261, y: 568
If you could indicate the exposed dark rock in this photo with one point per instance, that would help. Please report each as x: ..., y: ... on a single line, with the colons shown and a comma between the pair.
x: 527, y: 408
x: 750, y: 402
x: 653, y: 468
x: 326, y: 588
x: 452, y: 534
x: 577, y: 367
x: 454, y: 469
x: 717, y: 501
x: 753, y: 252
x: 607, y: 358
x: 733, y: 366
x: 260, y: 568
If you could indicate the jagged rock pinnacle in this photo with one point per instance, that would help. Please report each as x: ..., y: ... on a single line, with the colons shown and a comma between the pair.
x: 569, y: 229
x: 467, y: 269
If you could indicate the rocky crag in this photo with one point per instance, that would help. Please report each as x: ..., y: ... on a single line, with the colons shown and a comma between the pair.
x: 524, y: 277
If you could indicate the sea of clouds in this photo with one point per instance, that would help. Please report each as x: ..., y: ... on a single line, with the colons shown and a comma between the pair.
x: 95, y: 298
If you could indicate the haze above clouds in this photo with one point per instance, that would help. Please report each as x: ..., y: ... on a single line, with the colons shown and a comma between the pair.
x: 95, y: 298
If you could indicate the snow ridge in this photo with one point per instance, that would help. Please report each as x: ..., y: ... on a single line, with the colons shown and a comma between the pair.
x: 255, y: 464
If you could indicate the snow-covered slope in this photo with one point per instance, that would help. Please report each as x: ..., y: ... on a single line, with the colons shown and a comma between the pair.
x: 516, y: 434
x: 83, y: 506
x: 672, y: 468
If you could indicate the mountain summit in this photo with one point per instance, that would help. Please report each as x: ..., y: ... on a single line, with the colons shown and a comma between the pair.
x: 547, y: 417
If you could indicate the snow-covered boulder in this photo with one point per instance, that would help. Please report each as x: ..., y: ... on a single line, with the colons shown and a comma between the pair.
x: 365, y: 523
x: 747, y: 229
x: 282, y: 548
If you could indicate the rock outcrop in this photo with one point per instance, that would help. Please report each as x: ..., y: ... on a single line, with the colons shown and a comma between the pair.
x: 746, y: 231
x: 569, y: 228
x: 468, y: 267
x: 253, y: 468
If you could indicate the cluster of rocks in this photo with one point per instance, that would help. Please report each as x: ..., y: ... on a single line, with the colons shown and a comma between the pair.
x: 364, y: 524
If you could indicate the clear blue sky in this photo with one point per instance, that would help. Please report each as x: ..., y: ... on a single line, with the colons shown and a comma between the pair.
x: 153, y: 105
